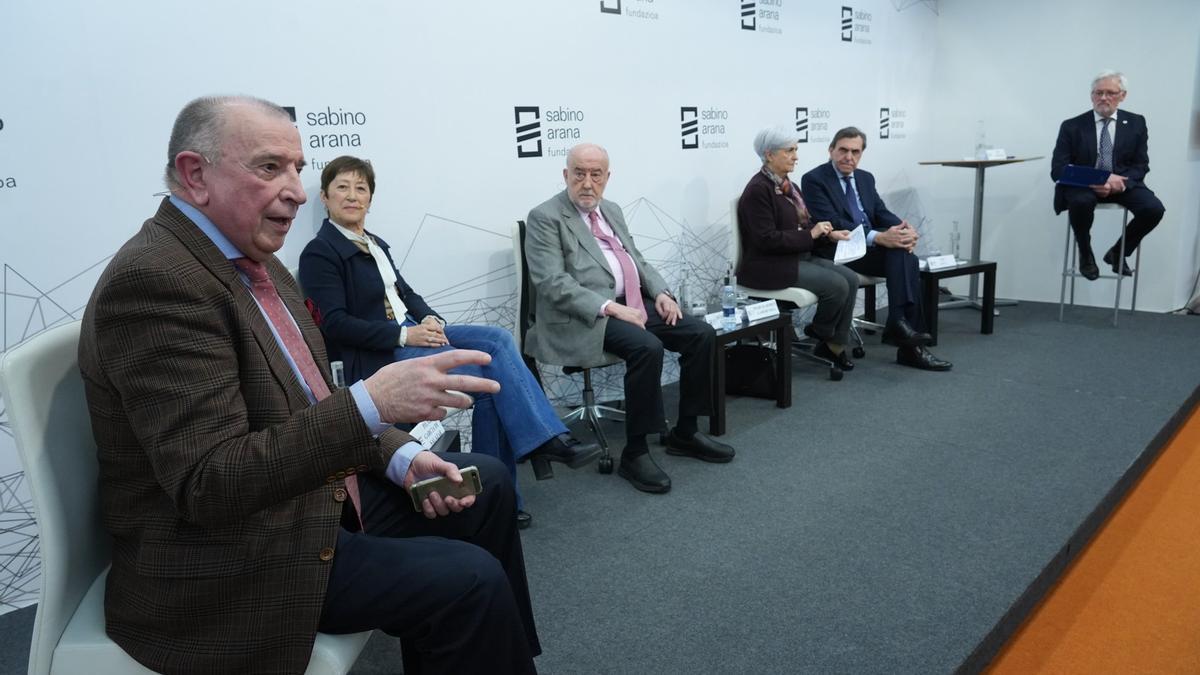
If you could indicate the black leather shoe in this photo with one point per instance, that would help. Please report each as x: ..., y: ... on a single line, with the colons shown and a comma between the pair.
x: 524, y: 520
x: 699, y: 446
x: 564, y: 449
x: 921, y: 357
x: 1087, y: 265
x: 842, y: 360
x: 643, y: 473
x: 899, y: 334
x: 809, y: 332
x: 1111, y: 259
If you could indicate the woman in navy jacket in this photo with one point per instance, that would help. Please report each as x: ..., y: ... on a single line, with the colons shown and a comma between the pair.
x: 370, y: 317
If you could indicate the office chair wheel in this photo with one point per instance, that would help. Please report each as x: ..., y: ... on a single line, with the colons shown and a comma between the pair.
x: 858, y: 352
x: 605, y: 464
x: 835, y: 374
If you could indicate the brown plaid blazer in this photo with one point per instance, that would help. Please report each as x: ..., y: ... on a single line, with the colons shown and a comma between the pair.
x: 221, y: 486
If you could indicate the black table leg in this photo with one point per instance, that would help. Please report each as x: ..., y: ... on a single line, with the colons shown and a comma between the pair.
x: 716, y: 421
x: 989, y: 301
x: 783, y: 366
x: 930, y: 286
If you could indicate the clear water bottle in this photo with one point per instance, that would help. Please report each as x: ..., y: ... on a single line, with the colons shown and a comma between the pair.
x: 728, y: 306
x: 981, y: 146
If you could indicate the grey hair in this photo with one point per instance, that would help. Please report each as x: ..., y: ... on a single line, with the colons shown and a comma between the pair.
x: 1111, y: 74
x: 200, y: 128
x: 772, y: 139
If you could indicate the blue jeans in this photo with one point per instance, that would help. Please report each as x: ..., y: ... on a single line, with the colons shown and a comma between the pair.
x: 513, y: 422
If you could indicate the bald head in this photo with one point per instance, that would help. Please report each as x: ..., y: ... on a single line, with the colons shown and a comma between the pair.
x: 586, y: 175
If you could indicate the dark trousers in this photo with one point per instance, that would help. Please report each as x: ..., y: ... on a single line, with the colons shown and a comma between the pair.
x: 1141, y: 201
x: 453, y: 588
x: 642, y: 351
x: 836, y: 289
x: 903, y: 274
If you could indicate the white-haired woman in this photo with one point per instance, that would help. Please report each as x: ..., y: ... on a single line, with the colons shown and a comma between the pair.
x: 777, y: 241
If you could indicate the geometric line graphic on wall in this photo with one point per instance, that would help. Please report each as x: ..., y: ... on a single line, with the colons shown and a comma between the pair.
x: 20, y: 571
x: 901, y: 5
x: 28, y: 309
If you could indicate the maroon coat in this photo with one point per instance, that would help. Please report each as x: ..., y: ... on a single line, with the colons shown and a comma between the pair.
x: 773, y: 238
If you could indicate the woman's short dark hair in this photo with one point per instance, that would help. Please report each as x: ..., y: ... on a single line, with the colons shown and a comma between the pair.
x: 347, y: 163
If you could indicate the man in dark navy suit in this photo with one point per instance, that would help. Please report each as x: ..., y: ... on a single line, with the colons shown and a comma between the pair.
x: 839, y: 192
x: 1114, y: 142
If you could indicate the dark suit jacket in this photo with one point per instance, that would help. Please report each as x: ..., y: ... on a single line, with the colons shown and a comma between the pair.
x: 1077, y: 144
x: 220, y: 484
x: 822, y: 188
x: 344, y: 284
x: 773, y: 240
x: 571, y: 280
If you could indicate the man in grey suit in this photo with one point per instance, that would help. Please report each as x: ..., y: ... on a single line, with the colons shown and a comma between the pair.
x: 595, y: 293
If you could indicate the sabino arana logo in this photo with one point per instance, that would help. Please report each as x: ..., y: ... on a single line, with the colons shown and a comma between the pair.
x: 610, y: 6
x: 802, y: 125
x: 689, y: 127
x: 885, y: 121
x: 847, y: 24
x: 749, y: 15
x: 528, y: 119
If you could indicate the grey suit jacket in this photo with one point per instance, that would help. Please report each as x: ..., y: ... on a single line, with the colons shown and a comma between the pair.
x: 221, y: 486
x: 571, y: 280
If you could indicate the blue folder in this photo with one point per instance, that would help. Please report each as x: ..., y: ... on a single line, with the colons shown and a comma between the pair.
x: 1083, y: 176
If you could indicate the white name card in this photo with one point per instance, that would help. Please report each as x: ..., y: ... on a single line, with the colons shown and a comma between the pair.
x: 767, y: 309
x: 715, y: 319
x: 996, y: 153
x: 427, y: 433
x: 941, y: 262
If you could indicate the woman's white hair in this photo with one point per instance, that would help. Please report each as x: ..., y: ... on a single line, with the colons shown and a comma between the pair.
x: 1113, y: 74
x: 772, y: 139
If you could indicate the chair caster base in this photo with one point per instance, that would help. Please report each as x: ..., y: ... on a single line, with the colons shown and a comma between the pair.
x: 858, y: 352
x: 835, y: 374
x: 604, y: 465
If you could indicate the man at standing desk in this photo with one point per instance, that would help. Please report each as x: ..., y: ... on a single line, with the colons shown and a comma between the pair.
x: 843, y: 194
x: 1112, y: 141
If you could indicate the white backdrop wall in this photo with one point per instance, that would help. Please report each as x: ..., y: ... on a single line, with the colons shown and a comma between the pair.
x: 430, y: 93
x: 1022, y: 67
x: 436, y: 95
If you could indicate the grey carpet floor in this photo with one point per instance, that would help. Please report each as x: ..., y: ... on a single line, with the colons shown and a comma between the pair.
x: 882, y: 524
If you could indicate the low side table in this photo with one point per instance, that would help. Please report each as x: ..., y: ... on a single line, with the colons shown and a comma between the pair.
x: 929, y: 289
x: 778, y: 330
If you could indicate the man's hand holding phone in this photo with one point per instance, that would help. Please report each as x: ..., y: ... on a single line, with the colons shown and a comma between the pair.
x: 428, y: 465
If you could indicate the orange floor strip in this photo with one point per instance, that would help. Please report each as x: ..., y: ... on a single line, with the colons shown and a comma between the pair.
x: 1131, y: 602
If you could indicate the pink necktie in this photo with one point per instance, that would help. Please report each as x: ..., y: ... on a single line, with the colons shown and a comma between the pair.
x: 633, y: 285
x: 264, y: 291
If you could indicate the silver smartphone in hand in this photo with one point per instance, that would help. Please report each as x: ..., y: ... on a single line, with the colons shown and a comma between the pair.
x: 445, y: 487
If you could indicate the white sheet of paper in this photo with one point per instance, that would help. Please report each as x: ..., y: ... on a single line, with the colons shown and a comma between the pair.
x: 851, y: 249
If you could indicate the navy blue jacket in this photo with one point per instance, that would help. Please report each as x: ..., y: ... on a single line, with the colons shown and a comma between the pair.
x: 346, y: 297
x: 1077, y: 143
x: 823, y: 195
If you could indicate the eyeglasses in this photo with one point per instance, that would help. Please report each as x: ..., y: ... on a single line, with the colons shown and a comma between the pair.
x: 1102, y: 93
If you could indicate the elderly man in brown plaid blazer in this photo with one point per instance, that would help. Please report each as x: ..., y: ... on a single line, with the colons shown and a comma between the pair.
x: 250, y: 506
